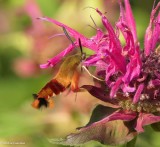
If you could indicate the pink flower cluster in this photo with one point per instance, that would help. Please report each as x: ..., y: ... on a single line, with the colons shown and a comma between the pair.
x: 132, y: 75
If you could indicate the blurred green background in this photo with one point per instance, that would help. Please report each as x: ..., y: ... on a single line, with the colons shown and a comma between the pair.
x: 24, y: 44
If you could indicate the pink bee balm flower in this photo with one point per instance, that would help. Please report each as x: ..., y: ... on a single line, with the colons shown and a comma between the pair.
x: 131, y: 76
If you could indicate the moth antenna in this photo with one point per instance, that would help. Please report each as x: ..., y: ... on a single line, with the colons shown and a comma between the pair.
x: 92, y: 27
x: 89, y: 7
x: 53, y: 36
x: 83, y: 55
x: 80, y: 45
x: 93, y: 21
x: 91, y: 74
x: 67, y: 35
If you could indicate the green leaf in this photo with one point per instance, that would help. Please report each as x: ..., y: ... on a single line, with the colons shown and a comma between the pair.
x: 99, y: 113
x: 110, y: 133
x: 156, y: 126
x: 100, y: 129
x: 131, y: 143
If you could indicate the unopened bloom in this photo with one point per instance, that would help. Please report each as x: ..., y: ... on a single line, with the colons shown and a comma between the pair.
x: 131, y: 78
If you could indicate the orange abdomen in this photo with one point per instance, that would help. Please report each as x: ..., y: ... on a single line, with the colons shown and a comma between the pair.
x: 43, y: 98
x: 52, y: 87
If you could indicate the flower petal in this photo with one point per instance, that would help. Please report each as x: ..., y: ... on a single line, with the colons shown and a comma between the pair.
x: 152, y: 32
x: 115, y: 87
x: 145, y: 119
x: 72, y: 32
x: 130, y: 19
x: 100, y: 93
x: 156, y: 31
x: 89, y: 43
x: 116, y: 49
x: 138, y: 93
x: 53, y: 61
x: 92, y: 60
x: 133, y: 68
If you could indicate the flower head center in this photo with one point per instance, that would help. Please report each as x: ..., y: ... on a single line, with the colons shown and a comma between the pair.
x: 151, y: 65
x: 142, y: 106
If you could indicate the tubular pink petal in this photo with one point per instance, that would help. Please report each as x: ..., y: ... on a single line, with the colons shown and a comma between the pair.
x: 138, y: 93
x: 145, y: 119
x: 117, y: 115
x: 156, y: 32
x: 85, y: 41
x: 45, y: 65
x: 130, y: 19
x: 92, y: 60
x: 115, y: 87
x: 148, y: 40
x: 52, y: 62
x: 110, y: 71
x: 117, y: 49
x: 149, y: 44
x: 127, y: 88
x: 133, y: 70
x: 72, y: 32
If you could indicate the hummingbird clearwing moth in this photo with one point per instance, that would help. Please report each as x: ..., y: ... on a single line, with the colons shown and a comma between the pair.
x: 67, y: 76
